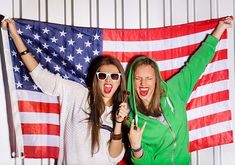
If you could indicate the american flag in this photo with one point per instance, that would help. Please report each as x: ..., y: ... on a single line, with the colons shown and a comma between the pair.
x: 68, y: 51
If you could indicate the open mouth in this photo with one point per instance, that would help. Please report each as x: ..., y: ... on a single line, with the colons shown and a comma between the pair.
x: 107, y: 88
x: 144, y: 91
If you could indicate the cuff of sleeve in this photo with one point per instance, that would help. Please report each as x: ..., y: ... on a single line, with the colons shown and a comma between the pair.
x: 213, y: 41
x: 36, y: 70
x: 136, y: 160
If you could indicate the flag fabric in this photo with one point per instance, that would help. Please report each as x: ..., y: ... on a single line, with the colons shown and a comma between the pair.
x: 68, y: 51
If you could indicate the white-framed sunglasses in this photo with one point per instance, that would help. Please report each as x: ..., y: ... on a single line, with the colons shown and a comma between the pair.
x: 104, y: 76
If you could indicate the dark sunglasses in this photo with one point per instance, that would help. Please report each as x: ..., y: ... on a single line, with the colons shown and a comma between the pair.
x: 104, y: 76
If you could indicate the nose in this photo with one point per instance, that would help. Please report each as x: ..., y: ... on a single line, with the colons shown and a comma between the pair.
x: 108, y: 78
x: 142, y: 82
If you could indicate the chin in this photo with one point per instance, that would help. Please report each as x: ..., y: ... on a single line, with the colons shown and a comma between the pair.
x: 144, y: 98
x: 109, y: 95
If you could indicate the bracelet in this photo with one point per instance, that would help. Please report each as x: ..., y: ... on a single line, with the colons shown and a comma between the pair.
x: 137, y: 150
x: 118, y: 121
x: 24, y: 52
x: 116, y: 136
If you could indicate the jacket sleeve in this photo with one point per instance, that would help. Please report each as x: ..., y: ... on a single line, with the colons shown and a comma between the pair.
x: 184, y: 82
x: 52, y: 84
x: 147, y: 157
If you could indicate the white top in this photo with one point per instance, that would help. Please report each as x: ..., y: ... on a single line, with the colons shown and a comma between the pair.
x: 75, y: 139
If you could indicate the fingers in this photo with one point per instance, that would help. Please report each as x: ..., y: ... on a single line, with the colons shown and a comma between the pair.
x: 132, y: 125
x: 123, y: 104
x: 122, y: 114
x: 122, y: 111
x: 143, y: 127
x: 226, y: 22
x: 6, y: 22
x: 228, y: 19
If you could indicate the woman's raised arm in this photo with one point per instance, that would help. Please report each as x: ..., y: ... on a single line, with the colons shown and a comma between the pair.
x: 26, y: 56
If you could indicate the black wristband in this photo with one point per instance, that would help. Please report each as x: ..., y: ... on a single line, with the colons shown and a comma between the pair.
x: 24, y: 52
x: 118, y: 121
x: 137, y: 150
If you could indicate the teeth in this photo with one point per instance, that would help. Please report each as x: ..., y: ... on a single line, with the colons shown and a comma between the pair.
x: 108, y: 85
x: 143, y: 89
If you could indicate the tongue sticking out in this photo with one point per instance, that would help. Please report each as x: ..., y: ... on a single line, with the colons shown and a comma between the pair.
x: 107, y: 88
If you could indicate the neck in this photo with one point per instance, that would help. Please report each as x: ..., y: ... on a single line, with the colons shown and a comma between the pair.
x: 108, y: 102
x: 146, y: 103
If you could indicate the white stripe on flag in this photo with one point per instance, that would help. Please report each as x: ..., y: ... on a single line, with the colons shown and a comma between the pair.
x: 154, y: 45
x: 40, y: 118
x: 19, y: 145
x: 25, y: 95
x: 208, y: 110
x: 216, y: 66
x: 124, y: 65
x: 209, y: 89
x: 221, y: 45
x: 210, y: 130
x: 212, y: 67
x: 175, y: 63
x: 41, y: 140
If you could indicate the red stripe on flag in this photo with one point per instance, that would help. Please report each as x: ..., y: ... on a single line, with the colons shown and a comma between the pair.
x: 209, y: 120
x: 214, y: 140
x: 47, y: 129
x: 208, y: 99
x: 158, y: 33
x: 163, y: 54
x: 220, y: 55
x: 157, y: 55
x: 41, y: 152
x: 30, y: 106
x: 169, y: 73
x: 213, y: 77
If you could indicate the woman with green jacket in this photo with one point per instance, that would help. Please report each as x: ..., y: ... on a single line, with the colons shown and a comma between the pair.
x: 159, y: 129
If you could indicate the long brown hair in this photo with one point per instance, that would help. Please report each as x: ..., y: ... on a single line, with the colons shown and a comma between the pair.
x: 154, y: 106
x: 96, y: 102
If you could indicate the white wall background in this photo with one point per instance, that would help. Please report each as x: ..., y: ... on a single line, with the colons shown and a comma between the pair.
x: 120, y: 14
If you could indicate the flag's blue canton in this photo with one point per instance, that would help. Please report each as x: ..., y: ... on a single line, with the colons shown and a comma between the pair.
x: 66, y: 50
